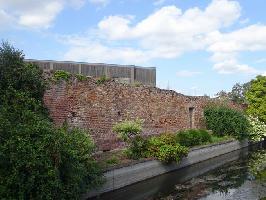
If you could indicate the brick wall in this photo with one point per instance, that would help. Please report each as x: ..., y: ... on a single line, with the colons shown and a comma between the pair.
x: 98, y: 107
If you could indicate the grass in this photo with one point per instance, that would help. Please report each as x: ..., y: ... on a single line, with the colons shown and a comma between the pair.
x: 112, y: 161
x: 217, y: 139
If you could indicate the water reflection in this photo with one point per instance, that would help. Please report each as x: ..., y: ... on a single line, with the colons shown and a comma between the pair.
x: 241, y: 179
x: 230, y: 176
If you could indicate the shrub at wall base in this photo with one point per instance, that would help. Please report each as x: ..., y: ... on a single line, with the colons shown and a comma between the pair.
x: 226, y: 121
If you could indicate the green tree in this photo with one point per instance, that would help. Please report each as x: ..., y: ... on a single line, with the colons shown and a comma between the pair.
x: 37, y: 160
x: 18, y: 75
x: 256, y: 97
x: 238, y: 92
x: 223, y: 95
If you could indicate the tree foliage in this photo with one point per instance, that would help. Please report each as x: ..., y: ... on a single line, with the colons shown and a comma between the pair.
x: 18, y: 75
x: 237, y: 94
x: 257, y: 129
x: 226, y: 121
x: 37, y: 160
x: 256, y: 97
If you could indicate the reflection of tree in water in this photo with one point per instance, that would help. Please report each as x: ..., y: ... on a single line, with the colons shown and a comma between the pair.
x: 229, y: 177
x: 257, y: 165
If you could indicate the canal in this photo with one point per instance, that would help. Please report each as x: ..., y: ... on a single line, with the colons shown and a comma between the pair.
x: 239, y: 175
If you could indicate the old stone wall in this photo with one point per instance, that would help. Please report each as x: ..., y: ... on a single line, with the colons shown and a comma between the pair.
x: 98, y: 107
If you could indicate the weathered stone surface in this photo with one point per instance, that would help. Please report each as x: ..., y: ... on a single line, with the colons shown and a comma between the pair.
x: 98, y: 107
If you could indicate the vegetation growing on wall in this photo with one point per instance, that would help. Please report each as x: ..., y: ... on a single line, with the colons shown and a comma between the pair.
x: 37, y: 160
x: 127, y: 129
x: 61, y: 75
x: 80, y: 77
x: 102, y: 80
x: 66, y: 76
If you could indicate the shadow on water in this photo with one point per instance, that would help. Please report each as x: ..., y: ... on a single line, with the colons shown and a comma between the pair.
x: 221, y: 174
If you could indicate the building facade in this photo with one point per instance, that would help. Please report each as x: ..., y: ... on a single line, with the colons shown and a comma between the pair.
x: 123, y: 73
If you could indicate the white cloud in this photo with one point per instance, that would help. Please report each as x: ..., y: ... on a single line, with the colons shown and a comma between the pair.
x: 84, y: 50
x: 121, y: 30
x: 43, y: 19
x: 232, y: 66
x: 169, y: 24
x: 226, y: 47
x: 169, y: 32
x: 31, y: 13
x: 250, y: 38
x: 264, y: 74
x: 35, y: 14
x: 187, y: 73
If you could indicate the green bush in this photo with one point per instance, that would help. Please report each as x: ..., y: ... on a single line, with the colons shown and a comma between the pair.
x: 137, y: 84
x: 165, y: 148
x: 154, y: 143
x: 127, y: 130
x: 168, y: 153
x: 137, y: 148
x: 226, y: 121
x: 37, y: 160
x: 193, y: 137
x: 112, y: 161
x: 80, y: 77
x: 102, y: 80
x: 61, y: 75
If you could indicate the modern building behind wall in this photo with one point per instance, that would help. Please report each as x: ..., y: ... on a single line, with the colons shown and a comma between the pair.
x: 123, y: 73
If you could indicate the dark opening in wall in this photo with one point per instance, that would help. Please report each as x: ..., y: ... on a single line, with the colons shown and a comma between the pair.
x: 191, y: 117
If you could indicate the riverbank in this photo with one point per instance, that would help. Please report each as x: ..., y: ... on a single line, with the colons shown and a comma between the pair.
x: 124, y: 176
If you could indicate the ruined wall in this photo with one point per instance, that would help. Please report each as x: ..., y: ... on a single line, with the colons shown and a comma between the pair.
x: 98, y: 107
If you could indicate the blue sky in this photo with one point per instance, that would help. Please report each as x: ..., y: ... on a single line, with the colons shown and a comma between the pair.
x: 198, y: 46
